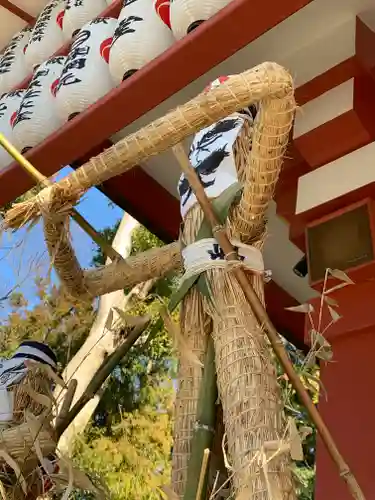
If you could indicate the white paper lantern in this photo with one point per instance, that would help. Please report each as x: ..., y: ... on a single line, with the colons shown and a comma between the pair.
x: 9, y: 104
x: 80, y: 12
x: 46, y: 37
x: 13, y: 68
x: 162, y: 8
x: 188, y: 14
x: 37, y: 115
x: 140, y: 36
x: 85, y: 77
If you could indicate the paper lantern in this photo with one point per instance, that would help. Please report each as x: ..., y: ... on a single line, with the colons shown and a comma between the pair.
x: 37, y: 115
x: 13, y: 68
x: 186, y: 15
x: 80, y: 12
x: 85, y: 77
x: 162, y: 8
x: 46, y: 37
x: 140, y: 36
x: 9, y: 104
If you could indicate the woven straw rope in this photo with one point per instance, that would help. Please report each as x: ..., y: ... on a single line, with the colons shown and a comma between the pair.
x: 246, y: 375
x: 195, y: 327
x: 81, y: 284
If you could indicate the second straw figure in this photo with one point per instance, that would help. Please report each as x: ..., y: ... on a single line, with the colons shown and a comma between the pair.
x: 238, y: 161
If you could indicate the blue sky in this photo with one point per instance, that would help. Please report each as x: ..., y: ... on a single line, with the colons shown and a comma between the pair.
x: 23, y: 254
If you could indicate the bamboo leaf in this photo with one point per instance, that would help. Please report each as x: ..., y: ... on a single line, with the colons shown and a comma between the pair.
x: 302, y: 308
x: 221, y: 206
x: 169, y: 493
x: 109, y: 320
x: 334, y: 314
x: 324, y: 353
x: 296, y: 450
x: 179, y: 294
x: 322, y: 348
x: 330, y: 301
x: 130, y: 320
x: 205, y: 289
x: 305, y: 432
x: 179, y: 341
x: 340, y: 275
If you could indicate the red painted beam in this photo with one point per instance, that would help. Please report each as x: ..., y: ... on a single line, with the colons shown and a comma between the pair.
x: 334, y: 139
x: 147, y: 201
x: 365, y: 46
x: 17, y: 11
x: 333, y: 77
x: 184, y: 62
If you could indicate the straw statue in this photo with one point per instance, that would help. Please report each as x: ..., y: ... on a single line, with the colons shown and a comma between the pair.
x: 242, y: 126
x: 29, y: 464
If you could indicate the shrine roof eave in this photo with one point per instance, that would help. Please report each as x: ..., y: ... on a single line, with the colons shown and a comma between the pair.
x: 206, y: 46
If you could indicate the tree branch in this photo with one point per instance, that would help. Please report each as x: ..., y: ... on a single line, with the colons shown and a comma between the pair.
x: 101, y: 375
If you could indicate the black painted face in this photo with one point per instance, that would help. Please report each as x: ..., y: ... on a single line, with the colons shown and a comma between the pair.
x: 209, y: 146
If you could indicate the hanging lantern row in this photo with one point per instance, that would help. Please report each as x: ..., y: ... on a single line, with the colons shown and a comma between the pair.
x: 104, y: 52
x: 145, y: 29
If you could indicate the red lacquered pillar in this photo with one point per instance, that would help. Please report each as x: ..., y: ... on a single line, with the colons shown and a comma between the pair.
x: 347, y: 402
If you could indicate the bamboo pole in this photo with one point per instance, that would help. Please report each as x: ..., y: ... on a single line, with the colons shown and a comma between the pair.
x: 41, y: 179
x: 205, y: 428
x: 219, y: 233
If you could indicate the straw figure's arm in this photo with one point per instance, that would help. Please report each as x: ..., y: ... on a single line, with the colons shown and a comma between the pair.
x: 265, y: 80
x: 124, y: 273
x: 259, y: 162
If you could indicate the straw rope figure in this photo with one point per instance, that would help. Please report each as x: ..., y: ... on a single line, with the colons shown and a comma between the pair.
x: 237, y: 154
x: 29, y: 464
x: 238, y: 165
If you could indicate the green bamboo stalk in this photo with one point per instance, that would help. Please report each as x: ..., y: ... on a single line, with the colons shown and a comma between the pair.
x: 204, y: 431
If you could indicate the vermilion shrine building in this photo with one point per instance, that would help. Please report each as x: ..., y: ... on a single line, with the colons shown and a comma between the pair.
x: 329, y: 47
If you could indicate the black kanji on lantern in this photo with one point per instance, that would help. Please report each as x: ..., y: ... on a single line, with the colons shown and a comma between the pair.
x: 125, y: 27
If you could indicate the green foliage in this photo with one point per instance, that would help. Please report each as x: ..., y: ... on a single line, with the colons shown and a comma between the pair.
x: 304, y: 470
x: 55, y: 320
x: 135, y: 460
x: 130, y: 440
x: 305, y: 477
